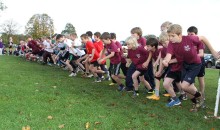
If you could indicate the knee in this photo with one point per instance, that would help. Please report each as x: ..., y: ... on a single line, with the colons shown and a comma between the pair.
x: 166, y: 85
x: 134, y: 76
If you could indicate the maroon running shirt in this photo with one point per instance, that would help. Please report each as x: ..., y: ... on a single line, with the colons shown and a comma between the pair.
x: 138, y: 56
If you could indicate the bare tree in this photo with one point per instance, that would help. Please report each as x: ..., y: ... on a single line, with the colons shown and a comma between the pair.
x: 10, y: 27
x: 2, y: 6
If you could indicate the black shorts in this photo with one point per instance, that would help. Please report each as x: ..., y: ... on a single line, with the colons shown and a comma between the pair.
x: 202, y: 70
x: 10, y: 46
x: 164, y: 72
x: 115, y: 69
x: 190, y: 71
x: 72, y: 57
x: 142, y: 72
x: 174, y: 75
x: 95, y: 63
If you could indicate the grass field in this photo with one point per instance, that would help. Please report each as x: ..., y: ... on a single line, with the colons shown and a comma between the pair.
x: 30, y: 92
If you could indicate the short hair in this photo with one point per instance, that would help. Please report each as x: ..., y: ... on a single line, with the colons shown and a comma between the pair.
x: 137, y: 30
x: 152, y: 42
x: 49, y: 38
x: 73, y: 34
x: 132, y: 41
x: 89, y: 33
x: 105, y: 36
x: 175, y: 29
x: 97, y: 34
x: 166, y: 24
x: 54, y: 35
x: 113, y: 35
x: 59, y: 36
x: 163, y: 37
x: 193, y: 29
x: 29, y: 36
x: 84, y: 36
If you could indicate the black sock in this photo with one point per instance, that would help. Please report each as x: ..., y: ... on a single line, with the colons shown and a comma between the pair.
x: 197, y: 94
x: 193, y: 100
x: 151, y: 90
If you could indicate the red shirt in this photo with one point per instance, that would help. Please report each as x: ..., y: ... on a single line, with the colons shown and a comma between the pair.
x: 142, y: 41
x: 112, y: 47
x: 185, y: 50
x: 138, y: 56
x: 99, y: 46
x: 89, y: 48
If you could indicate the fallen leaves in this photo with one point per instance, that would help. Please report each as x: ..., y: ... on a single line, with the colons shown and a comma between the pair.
x: 26, y: 128
x: 49, y: 117
x: 96, y: 123
x: 87, y: 125
x: 61, y: 126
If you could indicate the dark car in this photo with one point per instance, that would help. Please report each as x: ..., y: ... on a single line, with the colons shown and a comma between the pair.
x: 209, y: 60
x: 217, y: 64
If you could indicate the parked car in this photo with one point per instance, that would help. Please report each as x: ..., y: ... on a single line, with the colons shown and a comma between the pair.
x: 217, y: 64
x: 209, y: 60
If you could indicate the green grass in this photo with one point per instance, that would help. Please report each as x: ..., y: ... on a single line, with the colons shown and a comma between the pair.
x: 28, y: 97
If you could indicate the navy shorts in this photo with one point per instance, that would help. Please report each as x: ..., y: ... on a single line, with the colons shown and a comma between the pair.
x: 202, y: 70
x: 174, y: 75
x: 190, y: 71
x: 115, y: 69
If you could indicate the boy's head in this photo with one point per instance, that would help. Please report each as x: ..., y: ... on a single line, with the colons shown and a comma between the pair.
x: 84, y: 38
x: 175, y: 33
x: 59, y: 38
x: 73, y: 36
x: 164, y: 26
x: 152, y: 44
x: 97, y: 36
x: 136, y: 32
x: 192, y: 30
x: 89, y: 33
x: 164, y: 39
x: 113, y: 36
x: 29, y: 38
x: 132, y: 42
x: 48, y: 39
x: 106, y: 38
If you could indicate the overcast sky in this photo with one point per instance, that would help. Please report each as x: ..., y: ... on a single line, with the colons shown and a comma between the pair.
x: 120, y: 16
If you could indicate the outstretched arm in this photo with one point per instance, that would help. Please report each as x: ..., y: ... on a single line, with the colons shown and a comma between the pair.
x: 208, y: 44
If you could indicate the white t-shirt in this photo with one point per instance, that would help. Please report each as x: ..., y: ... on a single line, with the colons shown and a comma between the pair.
x: 80, y: 52
x: 72, y: 50
x: 77, y: 42
x: 68, y: 42
x: 48, y: 47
